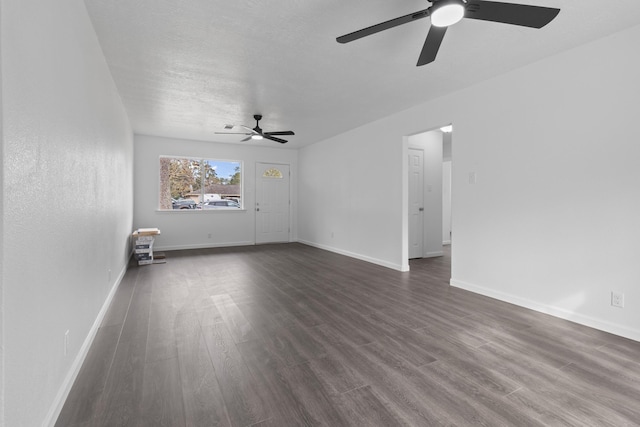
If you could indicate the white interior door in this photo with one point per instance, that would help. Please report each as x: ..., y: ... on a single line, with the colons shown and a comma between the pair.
x: 272, y: 203
x: 416, y: 203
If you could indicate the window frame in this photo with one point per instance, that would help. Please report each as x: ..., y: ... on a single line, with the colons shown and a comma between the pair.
x: 201, y: 195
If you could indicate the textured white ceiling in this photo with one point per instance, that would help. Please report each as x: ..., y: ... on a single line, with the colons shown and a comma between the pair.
x: 185, y: 68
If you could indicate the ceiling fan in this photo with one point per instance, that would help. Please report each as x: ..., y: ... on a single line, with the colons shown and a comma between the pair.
x: 445, y: 13
x: 257, y: 133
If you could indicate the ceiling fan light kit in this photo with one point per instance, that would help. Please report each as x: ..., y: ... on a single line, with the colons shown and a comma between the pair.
x: 445, y: 13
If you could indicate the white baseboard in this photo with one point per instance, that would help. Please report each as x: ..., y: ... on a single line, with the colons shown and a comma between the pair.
x: 201, y: 246
x: 433, y: 254
x: 64, y: 390
x: 357, y: 256
x: 592, y: 322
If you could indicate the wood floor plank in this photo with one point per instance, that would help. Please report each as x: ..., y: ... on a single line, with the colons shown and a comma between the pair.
x: 121, y: 299
x: 288, y: 334
x: 362, y: 407
x: 526, y: 370
x: 624, y: 361
x: 244, y: 406
x: 614, y: 391
x: 208, y: 316
x: 471, y: 364
x: 273, y: 335
x: 202, y: 398
x: 444, y: 403
x: 547, y: 411
x: 236, y: 322
x: 545, y: 387
x: 463, y: 330
x: 625, y: 348
x: 316, y: 400
x: 481, y: 403
x: 555, y: 404
x: 335, y: 376
x: 120, y: 404
x: 161, y: 340
x: 162, y: 403
x: 303, y: 340
x: 272, y: 383
x: 408, y: 402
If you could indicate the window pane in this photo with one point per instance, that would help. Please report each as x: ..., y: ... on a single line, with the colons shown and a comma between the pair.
x: 177, y: 182
x: 223, y: 180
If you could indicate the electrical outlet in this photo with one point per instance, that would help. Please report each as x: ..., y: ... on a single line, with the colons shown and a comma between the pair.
x: 209, y: 235
x: 66, y: 342
x: 617, y: 299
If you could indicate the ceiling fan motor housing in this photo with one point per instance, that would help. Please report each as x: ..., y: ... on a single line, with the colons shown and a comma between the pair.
x: 258, y: 117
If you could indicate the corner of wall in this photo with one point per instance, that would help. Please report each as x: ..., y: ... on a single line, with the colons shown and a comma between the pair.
x: 1, y: 234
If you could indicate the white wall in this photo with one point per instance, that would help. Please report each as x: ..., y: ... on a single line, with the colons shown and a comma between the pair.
x: 350, y: 195
x: 431, y: 144
x: 2, y: 423
x: 182, y: 229
x: 552, y: 221
x: 67, y: 196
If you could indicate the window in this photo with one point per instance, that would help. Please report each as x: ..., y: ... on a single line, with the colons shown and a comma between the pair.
x: 189, y: 183
x: 272, y: 173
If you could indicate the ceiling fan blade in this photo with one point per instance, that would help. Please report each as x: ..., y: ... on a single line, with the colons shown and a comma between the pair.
x: 273, y: 138
x: 510, y: 13
x: 431, y: 45
x: 251, y: 130
x: 246, y: 139
x: 284, y: 132
x: 234, y: 133
x: 382, y: 26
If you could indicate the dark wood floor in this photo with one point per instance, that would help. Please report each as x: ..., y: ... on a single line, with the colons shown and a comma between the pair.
x: 289, y: 335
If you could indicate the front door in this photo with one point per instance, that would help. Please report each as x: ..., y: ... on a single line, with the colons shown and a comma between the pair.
x: 272, y: 203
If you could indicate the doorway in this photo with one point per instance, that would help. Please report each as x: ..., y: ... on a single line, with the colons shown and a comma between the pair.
x: 272, y: 203
x: 428, y: 194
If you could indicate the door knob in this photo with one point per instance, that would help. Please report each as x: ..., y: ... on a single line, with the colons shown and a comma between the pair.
x: 421, y: 209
